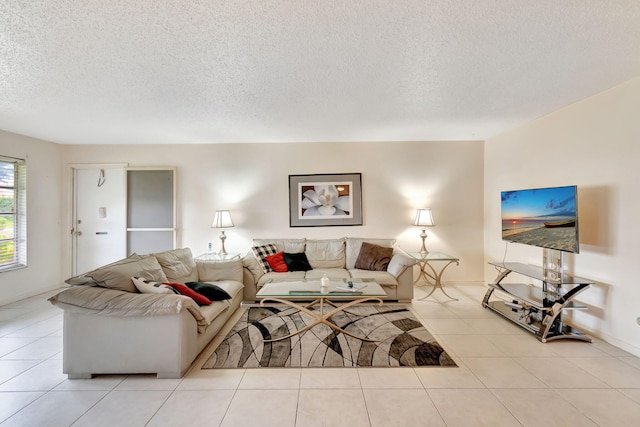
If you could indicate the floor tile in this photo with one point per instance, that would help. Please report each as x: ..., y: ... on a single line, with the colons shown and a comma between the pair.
x: 472, y: 407
x: 212, y: 379
x: 266, y: 379
x: 521, y: 345
x: 610, y: 370
x: 56, y: 408
x: 632, y: 361
x: 470, y: 346
x: 449, y: 326
x: 401, y: 408
x: 147, y: 382
x: 9, y: 345
x: 193, y: 408
x: 275, y: 408
x: 123, y: 408
x: 558, y: 372
x: 13, y: 401
x: 460, y: 377
x: 494, y: 326
x: 42, y: 377
x: 632, y: 393
x: 574, y: 348
x: 329, y: 378
x: 502, y: 372
x: 433, y: 310
x: 606, y: 407
x: 545, y: 408
x: 12, y: 368
x: 42, y: 348
x: 471, y: 311
x: 99, y: 382
x: 39, y: 329
x: 346, y: 408
x: 389, y: 378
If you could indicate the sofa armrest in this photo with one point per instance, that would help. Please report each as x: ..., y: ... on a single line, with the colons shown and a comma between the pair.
x: 400, y: 261
x: 111, y: 302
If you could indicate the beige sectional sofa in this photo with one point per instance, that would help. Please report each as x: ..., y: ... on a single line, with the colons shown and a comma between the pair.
x: 110, y: 328
x: 337, y: 259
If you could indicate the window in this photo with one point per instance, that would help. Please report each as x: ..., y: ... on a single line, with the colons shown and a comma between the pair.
x: 13, y: 213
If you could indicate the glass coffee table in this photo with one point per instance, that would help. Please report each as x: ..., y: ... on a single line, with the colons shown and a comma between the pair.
x: 297, y: 293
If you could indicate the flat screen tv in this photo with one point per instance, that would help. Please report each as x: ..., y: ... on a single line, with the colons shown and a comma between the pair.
x: 544, y: 217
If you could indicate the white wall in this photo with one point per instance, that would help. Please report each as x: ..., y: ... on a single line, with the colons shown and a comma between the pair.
x: 44, y: 210
x: 252, y: 181
x: 595, y: 145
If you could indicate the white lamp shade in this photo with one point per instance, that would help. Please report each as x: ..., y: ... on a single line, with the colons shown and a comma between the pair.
x: 424, y: 218
x: 222, y: 219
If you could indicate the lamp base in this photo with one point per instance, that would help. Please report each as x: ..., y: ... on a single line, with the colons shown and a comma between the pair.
x: 423, y: 236
x: 223, y: 236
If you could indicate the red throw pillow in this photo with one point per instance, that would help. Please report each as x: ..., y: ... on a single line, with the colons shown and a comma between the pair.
x: 276, y: 262
x: 184, y: 290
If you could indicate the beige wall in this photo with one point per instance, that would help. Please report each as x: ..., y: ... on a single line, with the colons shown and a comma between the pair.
x: 593, y: 144
x: 252, y: 181
x: 45, y: 231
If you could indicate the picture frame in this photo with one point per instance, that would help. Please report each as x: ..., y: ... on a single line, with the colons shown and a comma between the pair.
x: 325, y: 200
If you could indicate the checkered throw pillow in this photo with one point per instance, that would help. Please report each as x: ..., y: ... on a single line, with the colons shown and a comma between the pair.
x: 263, y: 251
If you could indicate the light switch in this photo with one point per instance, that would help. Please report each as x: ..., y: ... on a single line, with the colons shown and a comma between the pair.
x: 102, y: 212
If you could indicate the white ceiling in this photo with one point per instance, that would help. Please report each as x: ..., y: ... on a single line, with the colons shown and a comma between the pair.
x: 207, y: 71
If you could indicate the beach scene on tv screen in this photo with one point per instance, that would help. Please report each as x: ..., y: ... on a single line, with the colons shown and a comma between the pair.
x: 543, y: 217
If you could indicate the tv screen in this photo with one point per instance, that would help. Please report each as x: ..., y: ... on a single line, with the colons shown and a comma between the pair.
x: 545, y: 217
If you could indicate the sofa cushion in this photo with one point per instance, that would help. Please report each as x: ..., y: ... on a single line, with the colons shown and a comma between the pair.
x: 327, y: 253
x: 178, y: 265
x: 188, y: 292
x: 261, y: 252
x: 118, y: 276
x: 147, y: 286
x: 373, y: 257
x: 277, y: 263
x: 280, y: 276
x: 84, y: 279
x: 297, y: 262
x: 381, y: 277
x: 284, y: 245
x: 232, y: 287
x: 211, y: 291
x: 353, y: 245
x: 332, y: 273
x: 211, y: 271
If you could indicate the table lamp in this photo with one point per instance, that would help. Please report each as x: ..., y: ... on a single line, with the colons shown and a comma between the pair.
x: 222, y: 220
x: 423, y: 219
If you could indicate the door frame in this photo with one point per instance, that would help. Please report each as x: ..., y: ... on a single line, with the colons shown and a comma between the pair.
x: 72, y: 211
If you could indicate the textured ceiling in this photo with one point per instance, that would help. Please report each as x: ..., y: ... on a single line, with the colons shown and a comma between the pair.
x: 206, y: 71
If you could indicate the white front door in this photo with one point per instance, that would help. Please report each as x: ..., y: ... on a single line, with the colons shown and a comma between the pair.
x: 99, y: 216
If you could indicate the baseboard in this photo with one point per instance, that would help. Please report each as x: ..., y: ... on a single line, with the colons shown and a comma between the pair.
x: 19, y: 297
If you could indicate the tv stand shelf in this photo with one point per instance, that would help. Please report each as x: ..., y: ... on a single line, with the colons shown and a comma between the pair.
x: 537, y: 309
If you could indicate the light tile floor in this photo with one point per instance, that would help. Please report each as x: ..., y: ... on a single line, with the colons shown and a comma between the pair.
x: 505, y: 377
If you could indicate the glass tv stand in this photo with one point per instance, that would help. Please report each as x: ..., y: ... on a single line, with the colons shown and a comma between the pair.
x: 537, y: 309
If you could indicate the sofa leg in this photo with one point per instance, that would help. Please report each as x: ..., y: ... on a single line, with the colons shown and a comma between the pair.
x: 168, y: 375
x: 83, y: 376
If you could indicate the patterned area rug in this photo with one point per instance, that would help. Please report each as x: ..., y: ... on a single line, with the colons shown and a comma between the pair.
x: 401, y: 340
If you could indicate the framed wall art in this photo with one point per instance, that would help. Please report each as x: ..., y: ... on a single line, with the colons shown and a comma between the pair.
x: 322, y: 200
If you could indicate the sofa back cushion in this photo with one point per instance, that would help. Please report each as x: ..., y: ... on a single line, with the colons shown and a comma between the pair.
x: 178, y: 265
x: 213, y: 271
x: 284, y: 245
x: 86, y: 279
x: 353, y: 245
x: 328, y: 253
x: 118, y: 276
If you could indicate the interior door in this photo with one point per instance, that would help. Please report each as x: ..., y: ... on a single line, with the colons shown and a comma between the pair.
x: 99, y: 216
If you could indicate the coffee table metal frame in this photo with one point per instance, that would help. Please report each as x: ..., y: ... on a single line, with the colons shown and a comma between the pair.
x: 322, y: 299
